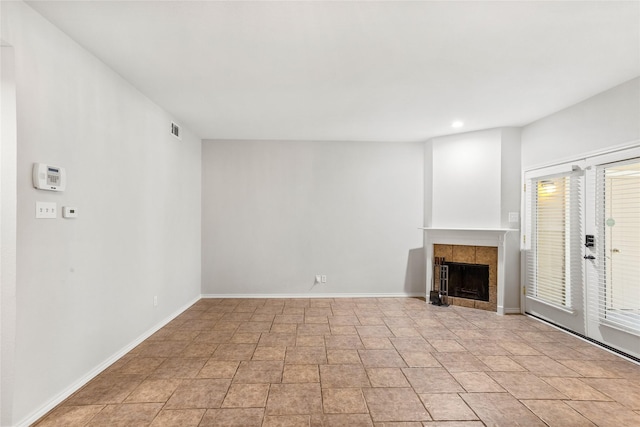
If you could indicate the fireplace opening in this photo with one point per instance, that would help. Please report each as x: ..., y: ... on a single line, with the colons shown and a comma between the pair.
x: 469, y: 281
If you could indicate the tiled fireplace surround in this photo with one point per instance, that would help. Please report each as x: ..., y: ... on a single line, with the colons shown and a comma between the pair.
x: 485, y: 255
x: 477, y: 245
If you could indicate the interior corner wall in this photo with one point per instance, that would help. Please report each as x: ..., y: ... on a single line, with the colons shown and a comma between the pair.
x: 607, y: 120
x: 85, y: 286
x: 276, y: 213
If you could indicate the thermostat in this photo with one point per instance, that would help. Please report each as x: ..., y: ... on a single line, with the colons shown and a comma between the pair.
x: 47, y: 177
x: 69, y: 212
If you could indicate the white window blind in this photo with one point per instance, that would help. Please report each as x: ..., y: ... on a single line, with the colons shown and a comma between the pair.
x: 618, y: 246
x: 554, y: 258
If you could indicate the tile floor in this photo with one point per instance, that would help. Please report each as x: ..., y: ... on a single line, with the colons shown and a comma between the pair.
x: 356, y: 362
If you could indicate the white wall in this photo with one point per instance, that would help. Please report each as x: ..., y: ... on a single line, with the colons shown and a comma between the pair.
x: 275, y: 214
x: 85, y: 286
x: 609, y: 119
x: 466, y: 180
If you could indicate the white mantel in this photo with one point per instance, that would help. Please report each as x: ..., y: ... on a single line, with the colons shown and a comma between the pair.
x: 494, y: 237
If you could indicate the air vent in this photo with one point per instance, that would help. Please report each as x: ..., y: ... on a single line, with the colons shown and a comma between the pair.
x: 175, y: 130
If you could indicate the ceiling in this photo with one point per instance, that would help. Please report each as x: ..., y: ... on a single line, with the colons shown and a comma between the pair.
x: 357, y: 71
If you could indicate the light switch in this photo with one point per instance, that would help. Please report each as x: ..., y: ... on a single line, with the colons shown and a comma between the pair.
x: 46, y: 210
x: 514, y: 217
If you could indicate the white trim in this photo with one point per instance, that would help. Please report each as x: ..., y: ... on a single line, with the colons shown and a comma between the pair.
x: 307, y: 296
x: 582, y: 156
x: 511, y: 310
x: 36, y: 415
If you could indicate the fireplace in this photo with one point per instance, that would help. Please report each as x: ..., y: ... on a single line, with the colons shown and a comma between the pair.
x: 469, y: 281
x: 472, y: 246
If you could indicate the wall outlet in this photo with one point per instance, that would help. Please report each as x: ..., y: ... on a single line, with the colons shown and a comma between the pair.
x: 324, y: 278
x: 318, y: 278
x: 155, y: 301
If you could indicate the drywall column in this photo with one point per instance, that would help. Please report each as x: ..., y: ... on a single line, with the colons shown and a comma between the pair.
x: 8, y: 148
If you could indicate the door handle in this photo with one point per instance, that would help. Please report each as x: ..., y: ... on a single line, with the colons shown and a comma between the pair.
x: 589, y: 257
x: 615, y: 250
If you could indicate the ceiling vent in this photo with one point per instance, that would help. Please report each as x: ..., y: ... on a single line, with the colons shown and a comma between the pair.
x: 175, y: 130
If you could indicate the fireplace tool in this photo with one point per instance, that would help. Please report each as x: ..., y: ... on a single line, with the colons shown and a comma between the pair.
x: 440, y: 296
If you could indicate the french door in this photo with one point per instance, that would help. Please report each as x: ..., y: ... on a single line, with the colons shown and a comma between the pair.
x: 582, y: 262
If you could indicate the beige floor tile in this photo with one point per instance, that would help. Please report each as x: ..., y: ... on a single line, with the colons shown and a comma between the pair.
x: 343, y: 342
x: 387, y: 377
x: 234, y: 352
x: 284, y: 328
x: 377, y: 343
x: 301, y: 374
x: 233, y: 417
x: 105, y: 390
x: 501, y: 410
x: 624, y: 391
x: 461, y: 362
x: 477, y: 382
x: 199, y: 394
x: 277, y: 340
x: 259, y: 372
x: 269, y: 353
x: 343, y: 401
x: 154, y: 390
x: 453, y: 424
x: 419, y: 359
x: 342, y: 356
x: 141, y: 365
x: 310, y: 341
x: 432, y: 380
x: 557, y: 414
x: 373, y: 331
x: 447, y: 346
x: 544, y: 366
x: 518, y: 348
x: 178, y: 367
x: 591, y: 368
x: 418, y: 344
x: 338, y: 376
x: 313, y: 329
x: 575, y: 388
x: 294, y: 399
x: 501, y: 363
x: 381, y: 359
x: 70, y: 416
x: 245, y: 338
x: 287, y: 421
x: 306, y: 355
x: 246, y: 396
x: 447, y: 406
x: 524, y: 385
x: 218, y: 369
x: 178, y: 418
x: 342, y: 420
x: 606, y: 414
x: 316, y: 319
x: 125, y: 415
x: 348, y: 320
x: 199, y: 349
x: 395, y: 404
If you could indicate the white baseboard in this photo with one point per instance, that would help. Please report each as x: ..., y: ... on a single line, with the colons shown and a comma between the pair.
x: 512, y: 310
x: 35, y: 416
x: 271, y: 296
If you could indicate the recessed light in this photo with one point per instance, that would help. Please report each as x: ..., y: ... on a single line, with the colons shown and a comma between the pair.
x: 457, y: 124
